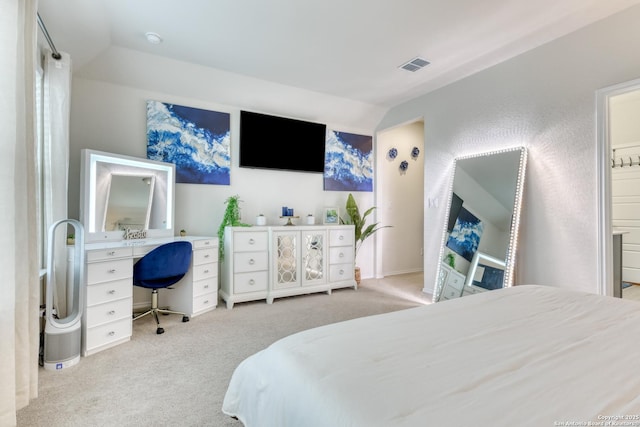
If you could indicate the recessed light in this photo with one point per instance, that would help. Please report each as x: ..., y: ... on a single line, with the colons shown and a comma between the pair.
x: 153, y: 38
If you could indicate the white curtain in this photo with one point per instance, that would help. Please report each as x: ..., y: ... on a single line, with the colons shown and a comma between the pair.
x: 55, y: 165
x: 19, y: 289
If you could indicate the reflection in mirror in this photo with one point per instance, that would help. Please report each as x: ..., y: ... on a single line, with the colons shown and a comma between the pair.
x: 102, y: 190
x: 128, y: 202
x: 480, y: 234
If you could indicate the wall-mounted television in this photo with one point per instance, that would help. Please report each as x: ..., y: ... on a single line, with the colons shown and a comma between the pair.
x: 272, y: 142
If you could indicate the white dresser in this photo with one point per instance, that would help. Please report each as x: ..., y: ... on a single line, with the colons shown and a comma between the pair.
x: 107, y: 315
x: 452, y: 283
x: 269, y: 262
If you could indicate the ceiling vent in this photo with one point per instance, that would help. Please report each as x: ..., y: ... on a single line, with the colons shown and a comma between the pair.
x: 415, y: 64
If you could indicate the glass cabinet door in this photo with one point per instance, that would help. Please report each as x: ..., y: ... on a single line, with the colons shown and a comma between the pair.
x: 313, y: 257
x: 286, y: 259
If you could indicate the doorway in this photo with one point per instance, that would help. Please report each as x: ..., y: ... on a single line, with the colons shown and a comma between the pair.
x: 614, y: 131
x: 624, y: 135
x: 400, y: 199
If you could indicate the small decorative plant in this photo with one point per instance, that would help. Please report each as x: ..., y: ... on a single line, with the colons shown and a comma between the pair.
x: 231, y: 217
x: 450, y: 260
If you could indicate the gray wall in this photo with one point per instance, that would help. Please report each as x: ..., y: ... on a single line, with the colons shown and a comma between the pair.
x: 545, y: 100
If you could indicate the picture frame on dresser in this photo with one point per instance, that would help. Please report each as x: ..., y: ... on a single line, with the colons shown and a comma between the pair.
x: 331, y: 216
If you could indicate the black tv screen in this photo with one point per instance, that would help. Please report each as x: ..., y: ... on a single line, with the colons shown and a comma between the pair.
x: 456, y: 205
x: 271, y: 142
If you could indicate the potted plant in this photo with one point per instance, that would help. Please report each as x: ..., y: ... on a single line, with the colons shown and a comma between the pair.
x: 231, y: 217
x: 361, y: 230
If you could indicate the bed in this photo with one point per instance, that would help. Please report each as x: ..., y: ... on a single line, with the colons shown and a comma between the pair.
x: 522, y: 356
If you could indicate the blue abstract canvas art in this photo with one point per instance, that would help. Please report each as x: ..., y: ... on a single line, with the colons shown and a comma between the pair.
x: 348, y: 162
x: 465, y: 236
x: 197, y: 141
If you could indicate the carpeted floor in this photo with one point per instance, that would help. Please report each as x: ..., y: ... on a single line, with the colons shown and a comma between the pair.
x: 179, y: 378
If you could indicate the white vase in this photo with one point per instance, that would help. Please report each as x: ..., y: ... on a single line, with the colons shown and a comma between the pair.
x: 261, y: 220
x: 310, y: 220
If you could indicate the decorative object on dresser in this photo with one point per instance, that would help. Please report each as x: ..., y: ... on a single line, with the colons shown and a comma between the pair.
x: 361, y: 233
x: 159, y: 269
x: 279, y: 261
x: 231, y: 218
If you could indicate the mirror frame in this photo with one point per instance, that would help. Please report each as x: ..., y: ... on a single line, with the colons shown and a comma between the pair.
x: 515, y: 218
x: 162, y: 173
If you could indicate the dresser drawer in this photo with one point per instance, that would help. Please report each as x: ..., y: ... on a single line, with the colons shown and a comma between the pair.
x: 106, y: 254
x: 339, y: 272
x: 109, y: 291
x: 205, y: 243
x: 204, y: 302
x: 205, y: 271
x: 449, y: 292
x: 107, y: 271
x: 341, y: 254
x: 249, y: 261
x: 455, y: 281
x: 342, y: 237
x: 202, y: 287
x: 250, y: 282
x: 204, y: 256
x: 108, y: 312
x: 250, y: 241
x: 107, y: 333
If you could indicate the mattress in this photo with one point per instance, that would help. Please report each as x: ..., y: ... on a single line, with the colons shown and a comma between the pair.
x: 522, y: 356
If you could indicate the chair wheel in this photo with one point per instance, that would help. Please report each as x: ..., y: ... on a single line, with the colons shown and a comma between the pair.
x: 185, y: 318
x: 160, y: 331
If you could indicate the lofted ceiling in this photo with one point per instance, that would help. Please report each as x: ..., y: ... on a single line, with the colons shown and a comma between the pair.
x: 348, y: 48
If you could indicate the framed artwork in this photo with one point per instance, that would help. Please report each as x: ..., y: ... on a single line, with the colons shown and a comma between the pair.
x: 348, y: 160
x: 465, y: 236
x: 331, y: 216
x: 197, y: 141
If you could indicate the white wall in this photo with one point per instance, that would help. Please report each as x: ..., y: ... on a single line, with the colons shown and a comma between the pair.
x: 544, y: 100
x: 108, y: 113
x: 400, y: 200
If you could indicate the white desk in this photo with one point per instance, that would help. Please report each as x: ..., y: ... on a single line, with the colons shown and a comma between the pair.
x: 108, y: 292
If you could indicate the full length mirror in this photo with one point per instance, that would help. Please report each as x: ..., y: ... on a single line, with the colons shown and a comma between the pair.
x: 480, y: 232
x: 121, y: 192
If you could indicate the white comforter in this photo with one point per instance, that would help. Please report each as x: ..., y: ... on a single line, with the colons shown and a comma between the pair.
x: 523, y: 356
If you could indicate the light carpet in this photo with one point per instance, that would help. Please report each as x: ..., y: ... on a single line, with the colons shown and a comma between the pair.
x: 179, y: 378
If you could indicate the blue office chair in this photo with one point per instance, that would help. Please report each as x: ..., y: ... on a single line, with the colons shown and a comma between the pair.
x: 161, y: 268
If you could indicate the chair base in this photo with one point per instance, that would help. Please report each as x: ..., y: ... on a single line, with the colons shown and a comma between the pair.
x: 154, y: 310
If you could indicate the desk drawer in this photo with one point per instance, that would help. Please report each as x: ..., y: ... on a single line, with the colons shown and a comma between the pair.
x: 108, y: 312
x: 105, y: 334
x: 204, y: 256
x: 250, y: 282
x: 202, y: 287
x: 206, y: 301
x: 106, y: 254
x: 341, y: 255
x: 98, y: 272
x: 250, y: 241
x: 205, y: 271
x: 205, y: 243
x: 249, y: 261
x: 109, y: 291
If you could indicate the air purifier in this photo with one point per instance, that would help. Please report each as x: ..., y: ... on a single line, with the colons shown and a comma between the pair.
x: 62, y: 336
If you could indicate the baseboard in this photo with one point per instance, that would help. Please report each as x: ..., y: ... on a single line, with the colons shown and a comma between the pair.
x: 395, y: 273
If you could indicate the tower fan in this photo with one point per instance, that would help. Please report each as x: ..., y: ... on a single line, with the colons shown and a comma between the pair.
x: 62, y: 336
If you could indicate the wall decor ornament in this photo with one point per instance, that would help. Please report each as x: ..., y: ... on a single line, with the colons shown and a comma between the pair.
x: 393, y: 153
x: 348, y: 162
x: 197, y: 141
x: 415, y: 152
x: 404, y: 165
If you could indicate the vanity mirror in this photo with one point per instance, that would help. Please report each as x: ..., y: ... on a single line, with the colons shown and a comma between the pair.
x: 480, y: 232
x: 121, y: 192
